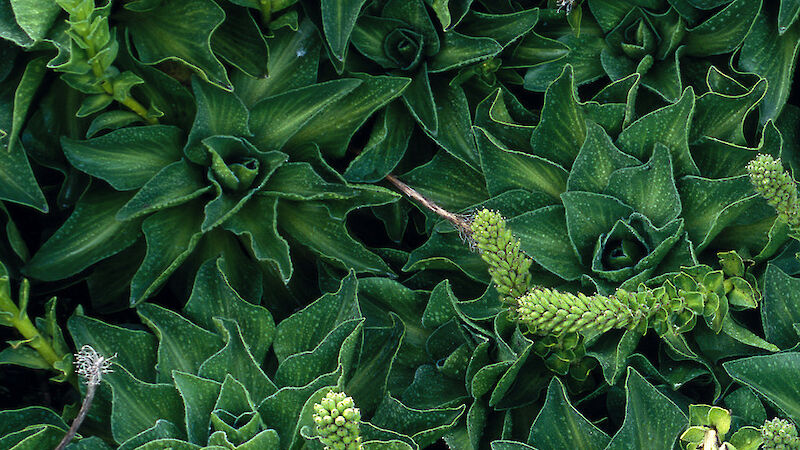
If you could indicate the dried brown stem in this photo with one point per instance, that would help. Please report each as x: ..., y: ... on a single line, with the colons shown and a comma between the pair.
x: 458, y: 221
x: 73, y: 429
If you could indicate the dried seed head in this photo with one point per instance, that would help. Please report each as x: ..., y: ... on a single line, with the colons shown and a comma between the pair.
x: 91, y: 365
x: 566, y: 5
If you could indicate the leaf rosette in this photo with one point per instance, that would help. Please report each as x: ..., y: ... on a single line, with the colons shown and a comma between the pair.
x: 625, y: 201
x: 221, y: 190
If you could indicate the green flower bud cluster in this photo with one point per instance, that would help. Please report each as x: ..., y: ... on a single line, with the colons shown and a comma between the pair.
x: 546, y: 311
x: 779, y: 434
x: 508, y: 265
x: 777, y: 186
x: 708, y: 427
x: 337, y: 420
x: 93, y: 49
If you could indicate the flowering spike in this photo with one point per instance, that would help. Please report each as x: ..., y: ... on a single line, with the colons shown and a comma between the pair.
x: 337, y: 420
x: 777, y: 187
x: 779, y: 434
x: 545, y: 311
x: 508, y: 265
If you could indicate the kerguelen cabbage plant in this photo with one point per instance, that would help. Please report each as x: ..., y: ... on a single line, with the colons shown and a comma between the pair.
x: 399, y: 224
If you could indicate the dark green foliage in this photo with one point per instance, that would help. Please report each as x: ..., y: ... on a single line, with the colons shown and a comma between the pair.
x: 251, y: 203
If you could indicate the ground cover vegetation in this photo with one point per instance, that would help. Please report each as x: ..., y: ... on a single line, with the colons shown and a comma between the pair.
x: 399, y: 224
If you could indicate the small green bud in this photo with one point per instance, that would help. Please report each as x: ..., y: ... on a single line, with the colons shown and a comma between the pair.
x: 779, y: 434
x: 337, y: 420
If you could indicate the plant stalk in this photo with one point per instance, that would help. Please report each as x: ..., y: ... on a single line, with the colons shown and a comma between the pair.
x: 27, y: 329
x: 76, y: 423
x: 458, y: 221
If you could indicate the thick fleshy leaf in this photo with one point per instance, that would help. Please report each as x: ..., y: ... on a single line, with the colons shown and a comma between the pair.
x: 583, y: 52
x: 649, y: 188
x: 719, y: 159
x: 709, y: 205
x: 534, y: 49
x: 126, y: 158
x: 722, y: 116
x: 240, y: 42
x: 137, y: 405
x: 171, y: 236
x: 28, y: 84
x: 503, y: 28
x: 302, y: 368
x: 589, y: 215
x: 612, y: 351
x: 305, y: 329
x: 311, y: 224
x: 333, y: 128
x: 292, y: 64
x: 180, y: 30
x: 503, y: 117
x: 227, y: 203
x: 774, y: 57
x: 303, y: 103
x: 283, y: 408
x: 669, y: 126
x: 258, y: 220
x: 424, y: 426
x: 14, y: 420
x: 780, y: 309
x: 437, y: 179
x: 386, y: 146
x: 455, y: 122
x: 459, y: 50
x: 165, y: 93
x: 371, y: 375
x: 17, y: 183
x: 770, y: 377
x: 418, y: 98
x: 218, y: 113
x: 543, y: 236
x: 506, y: 169
x: 651, y: 419
x: 609, y: 13
x: 199, y: 396
x: 562, y: 129
x: 174, y: 185
x: 90, y: 234
x: 236, y: 360
x: 338, y: 19
x: 446, y: 251
x: 213, y: 297
x: 33, y: 437
x: 597, y: 159
x: 724, y: 31
x: 790, y: 9
x: 182, y: 345
x: 299, y: 181
x: 135, y: 349
x: 450, y: 12
x: 574, y: 430
x: 510, y: 445
x: 35, y: 17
